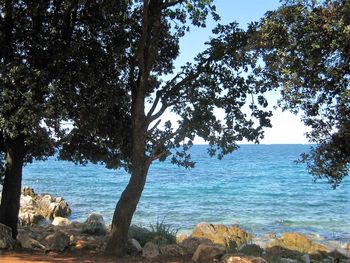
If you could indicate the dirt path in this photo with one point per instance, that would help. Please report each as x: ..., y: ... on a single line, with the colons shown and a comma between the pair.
x: 41, y: 257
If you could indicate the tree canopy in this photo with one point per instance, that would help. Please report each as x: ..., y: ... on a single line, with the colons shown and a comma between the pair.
x: 307, y: 56
x: 47, y: 49
x: 137, y: 131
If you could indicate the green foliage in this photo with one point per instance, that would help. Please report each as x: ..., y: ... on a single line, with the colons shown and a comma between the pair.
x: 163, y: 233
x: 231, y: 246
x: 251, y: 250
x: 305, y: 47
x: 159, y: 233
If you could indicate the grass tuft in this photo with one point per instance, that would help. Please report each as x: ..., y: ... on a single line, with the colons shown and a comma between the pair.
x: 159, y: 233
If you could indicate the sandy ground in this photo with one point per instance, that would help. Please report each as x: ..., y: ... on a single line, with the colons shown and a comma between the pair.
x: 41, y: 257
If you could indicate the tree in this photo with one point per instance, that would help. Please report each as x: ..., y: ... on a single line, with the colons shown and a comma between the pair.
x: 220, y: 78
x: 24, y: 89
x: 306, y: 50
x: 40, y: 43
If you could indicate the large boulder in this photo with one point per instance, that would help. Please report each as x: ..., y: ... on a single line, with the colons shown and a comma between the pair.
x: 221, y: 234
x: 57, y: 241
x: 242, y: 259
x: 191, y: 244
x: 208, y: 253
x: 95, y: 225
x: 133, y: 247
x: 6, y: 240
x: 51, y: 207
x: 297, y: 242
x: 27, y: 241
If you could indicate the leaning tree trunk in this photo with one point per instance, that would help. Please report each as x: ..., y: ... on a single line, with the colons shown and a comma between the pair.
x: 125, y: 210
x: 130, y: 197
x: 11, y: 191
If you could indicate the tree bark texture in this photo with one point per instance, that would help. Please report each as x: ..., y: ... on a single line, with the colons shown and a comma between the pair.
x: 11, y: 192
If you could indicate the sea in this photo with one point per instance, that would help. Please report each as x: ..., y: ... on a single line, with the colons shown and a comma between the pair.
x: 258, y: 187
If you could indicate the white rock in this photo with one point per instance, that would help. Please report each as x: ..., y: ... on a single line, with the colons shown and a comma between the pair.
x: 60, y: 221
x: 26, y: 201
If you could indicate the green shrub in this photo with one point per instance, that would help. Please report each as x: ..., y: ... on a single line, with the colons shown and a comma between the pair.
x: 163, y: 233
x: 231, y: 246
x: 251, y: 250
x: 160, y: 233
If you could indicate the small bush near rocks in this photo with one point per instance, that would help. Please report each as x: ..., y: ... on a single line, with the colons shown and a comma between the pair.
x: 160, y: 234
x: 231, y: 246
x: 251, y: 250
x: 163, y: 233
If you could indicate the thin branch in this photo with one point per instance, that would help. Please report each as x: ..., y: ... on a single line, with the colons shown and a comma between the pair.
x: 155, y: 103
x: 154, y: 127
x: 175, y: 89
x: 158, y: 156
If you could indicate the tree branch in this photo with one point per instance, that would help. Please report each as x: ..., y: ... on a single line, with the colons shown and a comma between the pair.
x: 176, y: 88
x: 154, y: 105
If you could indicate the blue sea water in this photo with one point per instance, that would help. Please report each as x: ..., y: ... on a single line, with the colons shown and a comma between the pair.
x: 259, y: 187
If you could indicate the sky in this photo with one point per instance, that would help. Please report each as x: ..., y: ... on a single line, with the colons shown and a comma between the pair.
x: 287, y: 128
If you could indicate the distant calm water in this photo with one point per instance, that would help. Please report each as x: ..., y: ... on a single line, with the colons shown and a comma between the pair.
x: 259, y: 187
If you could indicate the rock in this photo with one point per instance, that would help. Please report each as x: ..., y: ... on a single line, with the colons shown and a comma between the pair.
x: 30, y: 218
x: 6, y: 240
x: 242, y: 259
x: 347, y: 246
x: 251, y: 250
x: 306, y: 258
x: 27, y: 191
x: 288, y: 260
x: 221, y: 234
x: 180, y: 238
x: 172, y: 250
x: 57, y: 242
x: 81, y: 244
x: 297, y: 242
x: 94, y: 225
x: 28, y: 242
x: 61, y: 208
x: 208, y: 253
x: 60, y: 221
x: 26, y: 200
x: 133, y: 247
x: 191, y: 244
x: 34, y: 208
x: 150, y: 250
x: 51, y: 209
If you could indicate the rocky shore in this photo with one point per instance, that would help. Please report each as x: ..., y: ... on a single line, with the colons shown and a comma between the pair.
x: 44, y: 226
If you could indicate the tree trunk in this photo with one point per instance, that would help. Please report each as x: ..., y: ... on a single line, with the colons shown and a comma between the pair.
x: 11, y: 192
x: 125, y: 210
x: 130, y: 197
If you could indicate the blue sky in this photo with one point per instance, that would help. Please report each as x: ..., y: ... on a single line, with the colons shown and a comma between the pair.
x: 287, y: 128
